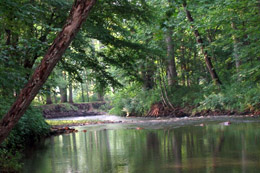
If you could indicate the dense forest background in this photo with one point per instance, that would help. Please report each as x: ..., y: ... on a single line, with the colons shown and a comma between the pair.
x: 195, y: 55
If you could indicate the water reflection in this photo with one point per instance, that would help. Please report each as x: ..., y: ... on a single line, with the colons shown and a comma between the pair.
x: 211, y: 148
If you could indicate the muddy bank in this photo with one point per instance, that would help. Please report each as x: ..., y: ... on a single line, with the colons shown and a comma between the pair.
x: 159, y: 110
x: 72, y: 110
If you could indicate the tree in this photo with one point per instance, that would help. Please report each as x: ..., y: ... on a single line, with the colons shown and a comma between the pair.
x: 207, y: 58
x: 171, y: 69
x: 48, y: 95
x: 77, y: 16
x: 63, y: 88
x: 70, y: 90
x: 171, y: 64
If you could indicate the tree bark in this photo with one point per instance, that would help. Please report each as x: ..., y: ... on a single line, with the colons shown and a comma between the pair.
x: 171, y: 66
x: 77, y: 16
x: 63, y: 94
x: 147, y: 73
x: 100, y: 94
x: 199, y: 40
x: 48, y: 95
x: 63, y: 89
x: 70, y: 93
x: 236, y: 48
x: 183, y: 63
x: 87, y: 90
x: 55, y: 97
x: 82, y: 93
x: 8, y: 37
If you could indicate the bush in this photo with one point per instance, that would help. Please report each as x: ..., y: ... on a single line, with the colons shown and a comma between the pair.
x: 238, y: 96
x: 133, y: 100
x: 10, y: 160
x: 184, y: 96
x: 235, y: 97
x: 30, y: 129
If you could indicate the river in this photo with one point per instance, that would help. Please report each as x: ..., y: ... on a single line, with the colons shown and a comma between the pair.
x: 149, y: 145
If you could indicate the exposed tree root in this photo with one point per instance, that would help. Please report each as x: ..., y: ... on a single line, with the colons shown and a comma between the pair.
x: 158, y: 109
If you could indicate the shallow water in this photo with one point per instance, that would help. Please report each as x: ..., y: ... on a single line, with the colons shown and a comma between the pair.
x: 165, y: 145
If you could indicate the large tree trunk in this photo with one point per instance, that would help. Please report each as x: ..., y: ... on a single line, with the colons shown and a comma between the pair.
x: 78, y: 14
x: 171, y: 69
x: 207, y: 58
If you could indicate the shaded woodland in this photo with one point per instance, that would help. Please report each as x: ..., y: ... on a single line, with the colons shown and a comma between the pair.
x: 182, y: 56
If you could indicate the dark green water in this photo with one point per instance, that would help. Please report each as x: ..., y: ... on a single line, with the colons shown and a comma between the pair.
x: 121, y: 148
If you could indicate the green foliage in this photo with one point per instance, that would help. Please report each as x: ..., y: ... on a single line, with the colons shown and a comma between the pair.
x: 105, y: 108
x: 30, y: 129
x: 236, y: 97
x: 10, y: 161
x: 133, y: 100
x: 239, y: 97
x: 61, y: 106
x: 183, y: 95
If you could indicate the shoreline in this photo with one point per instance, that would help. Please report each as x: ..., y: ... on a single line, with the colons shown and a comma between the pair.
x: 69, y: 126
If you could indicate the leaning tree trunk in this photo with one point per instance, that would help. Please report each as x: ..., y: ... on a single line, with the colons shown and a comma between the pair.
x: 207, y: 58
x: 77, y: 16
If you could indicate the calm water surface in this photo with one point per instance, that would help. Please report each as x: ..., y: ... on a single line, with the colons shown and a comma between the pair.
x: 172, y: 145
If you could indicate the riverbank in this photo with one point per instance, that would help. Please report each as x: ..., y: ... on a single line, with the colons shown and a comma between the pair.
x: 66, y: 126
x: 159, y: 110
x: 72, y: 110
x: 156, y: 110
